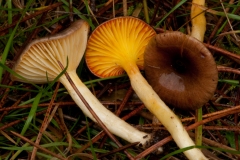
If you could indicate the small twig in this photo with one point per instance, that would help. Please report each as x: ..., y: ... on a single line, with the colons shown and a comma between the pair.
x: 228, y: 69
x: 124, y: 101
x: 134, y: 112
x: 223, y: 128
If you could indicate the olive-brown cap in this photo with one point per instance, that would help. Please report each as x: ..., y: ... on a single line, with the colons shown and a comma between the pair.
x: 180, y: 69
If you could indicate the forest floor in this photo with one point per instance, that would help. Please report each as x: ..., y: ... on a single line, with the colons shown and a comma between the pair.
x: 45, y: 116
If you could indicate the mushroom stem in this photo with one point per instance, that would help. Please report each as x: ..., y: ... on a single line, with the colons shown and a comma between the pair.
x: 112, y: 122
x: 198, y: 20
x: 162, y: 112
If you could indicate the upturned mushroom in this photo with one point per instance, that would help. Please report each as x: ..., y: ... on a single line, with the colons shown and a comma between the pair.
x: 181, y: 70
x: 41, y: 61
x: 118, y: 45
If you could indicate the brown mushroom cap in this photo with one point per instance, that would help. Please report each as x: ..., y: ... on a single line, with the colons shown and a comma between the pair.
x: 180, y: 69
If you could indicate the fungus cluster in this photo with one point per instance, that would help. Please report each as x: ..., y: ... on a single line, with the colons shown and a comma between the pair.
x: 41, y: 62
x: 118, y: 45
x: 115, y: 47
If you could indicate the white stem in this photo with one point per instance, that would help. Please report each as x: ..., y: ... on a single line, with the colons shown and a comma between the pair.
x: 115, y: 125
x: 163, y: 113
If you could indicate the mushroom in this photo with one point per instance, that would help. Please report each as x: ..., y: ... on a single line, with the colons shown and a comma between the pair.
x: 117, y: 45
x: 43, y: 60
x: 181, y: 70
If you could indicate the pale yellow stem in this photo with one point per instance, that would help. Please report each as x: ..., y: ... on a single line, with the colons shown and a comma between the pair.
x: 162, y: 112
x: 198, y: 19
x: 115, y: 125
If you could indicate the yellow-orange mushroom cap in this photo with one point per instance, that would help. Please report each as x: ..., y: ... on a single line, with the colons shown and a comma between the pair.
x: 115, y: 43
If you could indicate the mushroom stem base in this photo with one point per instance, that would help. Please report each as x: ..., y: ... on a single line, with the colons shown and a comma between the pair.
x: 163, y: 113
x: 115, y: 125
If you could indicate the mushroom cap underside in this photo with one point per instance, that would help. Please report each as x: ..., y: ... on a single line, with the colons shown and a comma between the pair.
x: 115, y: 43
x: 180, y: 69
x: 39, y: 61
